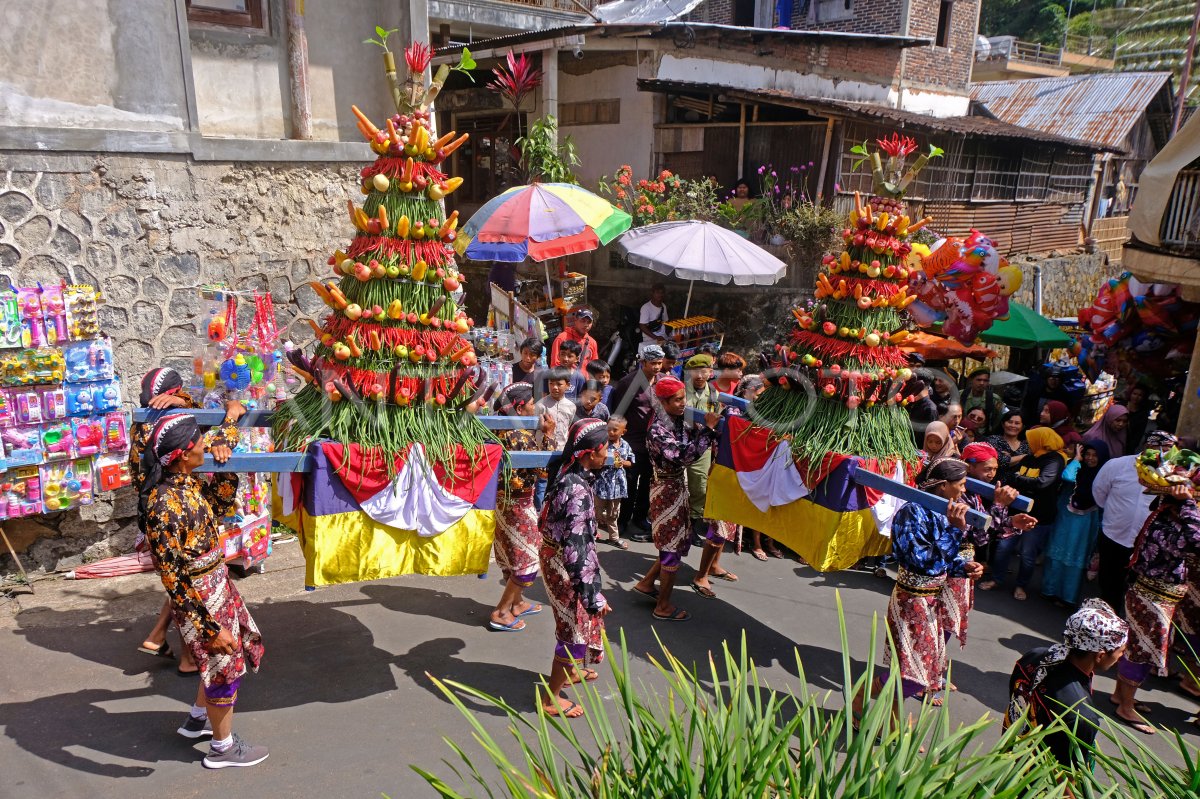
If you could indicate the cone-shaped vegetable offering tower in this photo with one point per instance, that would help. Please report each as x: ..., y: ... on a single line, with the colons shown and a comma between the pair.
x: 839, y: 390
x: 392, y: 366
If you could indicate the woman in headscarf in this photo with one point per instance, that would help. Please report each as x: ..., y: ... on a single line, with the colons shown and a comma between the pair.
x: 1057, y: 417
x: 1074, y: 537
x: 929, y: 549
x: 163, y: 389
x: 517, y: 536
x: 570, y: 566
x: 1111, y: 428
x: 939, y: 445
x: 1163, y: 554
x: 1009, y: 443
x: 1038, y: 478
x: 673, y: 445
x: 1050, y: 683
x: 177, y: 518
x: 721, y: 533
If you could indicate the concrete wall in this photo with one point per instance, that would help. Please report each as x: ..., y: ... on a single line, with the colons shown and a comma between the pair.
x: 119, y: 65
x: 147, y: 231
x: 91, y: 63
x: 241, y: 78
x: 1069, y: 280
x: 603, y: 148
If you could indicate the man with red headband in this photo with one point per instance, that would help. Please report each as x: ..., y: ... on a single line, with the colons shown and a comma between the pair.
x: 673, y: 445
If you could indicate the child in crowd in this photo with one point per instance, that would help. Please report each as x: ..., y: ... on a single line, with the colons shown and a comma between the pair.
x: 568, y: 359
x: 588, y: 405
x: 671, y: 365
x: 611, y: 486
x: 523, y: 370
x: 561, y: 411
x: 601, y: 372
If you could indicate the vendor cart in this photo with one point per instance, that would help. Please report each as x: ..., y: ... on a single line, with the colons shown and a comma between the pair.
x: 694, y: 332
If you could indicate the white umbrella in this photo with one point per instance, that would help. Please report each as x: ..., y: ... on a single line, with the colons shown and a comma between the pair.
x: 693, y: 250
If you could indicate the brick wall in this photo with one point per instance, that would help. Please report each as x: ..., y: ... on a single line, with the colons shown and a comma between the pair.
x: 942, y: 67
x: 925, y: 67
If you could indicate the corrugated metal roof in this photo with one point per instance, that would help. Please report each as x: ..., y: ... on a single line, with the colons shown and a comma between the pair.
x: 965, y: 125
x: 1101, y: 109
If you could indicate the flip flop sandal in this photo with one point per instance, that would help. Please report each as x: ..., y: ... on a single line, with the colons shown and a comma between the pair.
x: 707, y: 593
x: 588, y: 676
x: 163, y: 650
x: 1141, y: 726
x: 775, y: 553
x: 619, y: 543
x: 728, y: 577
x: 185, y: 673
x: 1138, y: 706
x: 651, y: 594
x: 516, y: 626
x: 532, y: 611
x: 679, y: 615
x: 567, y: 712
x: 759, y: 555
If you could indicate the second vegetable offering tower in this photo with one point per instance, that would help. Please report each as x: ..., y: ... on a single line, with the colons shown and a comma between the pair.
x: 840, y: 390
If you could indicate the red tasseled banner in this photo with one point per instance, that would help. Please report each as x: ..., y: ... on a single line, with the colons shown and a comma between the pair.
x: 833, y: 350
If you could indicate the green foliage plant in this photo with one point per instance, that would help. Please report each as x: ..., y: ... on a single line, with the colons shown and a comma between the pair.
x: 544, y: 156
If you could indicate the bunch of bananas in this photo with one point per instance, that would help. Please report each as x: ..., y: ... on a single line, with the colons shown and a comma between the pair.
x: 1165, y: 469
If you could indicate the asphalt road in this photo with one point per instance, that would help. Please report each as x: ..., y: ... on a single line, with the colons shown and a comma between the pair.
x: 343, y: 700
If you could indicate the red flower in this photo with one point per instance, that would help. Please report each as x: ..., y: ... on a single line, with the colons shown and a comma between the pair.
x: 898, y: 146
x: 518, y: 80
x: 417, y: 56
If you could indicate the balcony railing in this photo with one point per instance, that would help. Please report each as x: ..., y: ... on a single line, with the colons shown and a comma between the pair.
x: 1009, y: 48
x: 1181, y: 223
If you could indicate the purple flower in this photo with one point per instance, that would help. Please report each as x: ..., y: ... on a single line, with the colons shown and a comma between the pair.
x: 837, y: 187
x: 795, y: 170
x: 761, y: 169
x: 810, y: 163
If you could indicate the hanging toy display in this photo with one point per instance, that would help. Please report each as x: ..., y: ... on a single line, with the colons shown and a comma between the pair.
x: 962, y: 285
x: 1138, y: 330
x: 60, y: 397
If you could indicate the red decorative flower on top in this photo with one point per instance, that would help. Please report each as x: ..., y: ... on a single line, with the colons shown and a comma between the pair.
x: 417, y: 56
x: 897, y: 146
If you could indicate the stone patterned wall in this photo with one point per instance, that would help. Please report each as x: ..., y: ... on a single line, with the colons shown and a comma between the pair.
x: 147, y: 230
x: 1069, y: 282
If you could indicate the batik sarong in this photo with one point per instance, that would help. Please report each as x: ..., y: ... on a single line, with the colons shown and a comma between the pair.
x: 517, y: 538
x: 670, y: 518
x: 957, y: 599
x: 579, y: 634
x: 914, y: 619
x: 221, y: 674
x: 1150, y: 609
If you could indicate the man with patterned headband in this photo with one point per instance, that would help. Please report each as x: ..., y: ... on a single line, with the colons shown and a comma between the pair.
x: 931, y: 548
x: 176, y: 516
x: 162, y: 389
x: 569, y: 563
x: 1052, y: 683
x: 673, y: 445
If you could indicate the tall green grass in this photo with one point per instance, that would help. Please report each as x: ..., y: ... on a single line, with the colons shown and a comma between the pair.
x: 719, y: 732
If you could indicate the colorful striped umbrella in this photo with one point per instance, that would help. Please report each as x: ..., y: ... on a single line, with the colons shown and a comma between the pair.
x: 540, y: 222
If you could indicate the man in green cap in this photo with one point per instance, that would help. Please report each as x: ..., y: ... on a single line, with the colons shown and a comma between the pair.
x: 703, y: 397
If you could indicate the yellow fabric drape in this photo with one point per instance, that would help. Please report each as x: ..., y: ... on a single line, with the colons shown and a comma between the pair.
x: 350, y: 547
x: 827, y: 539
